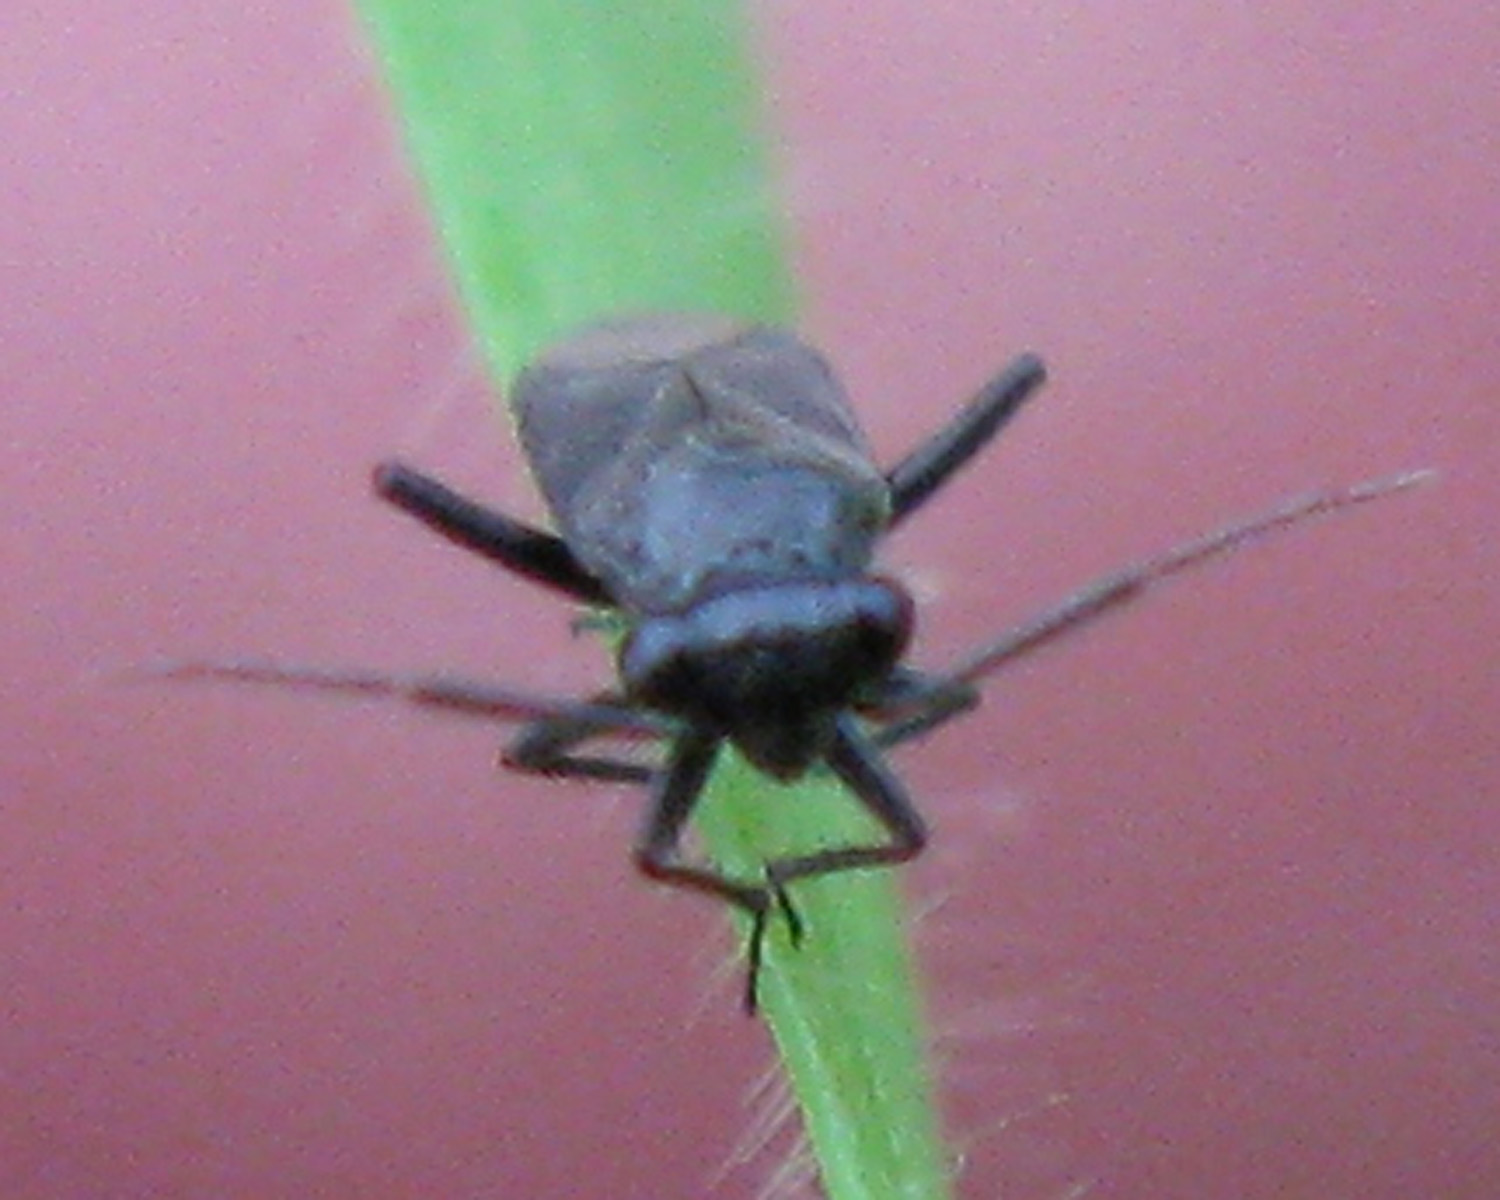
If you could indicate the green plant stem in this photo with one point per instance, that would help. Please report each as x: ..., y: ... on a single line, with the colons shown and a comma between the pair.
x: 585, y: 157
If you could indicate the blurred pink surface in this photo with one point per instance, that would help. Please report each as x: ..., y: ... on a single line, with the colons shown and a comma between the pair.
x: 1219, y: 878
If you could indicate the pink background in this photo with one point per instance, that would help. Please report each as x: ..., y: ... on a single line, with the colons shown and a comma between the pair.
x: 1213, y: 907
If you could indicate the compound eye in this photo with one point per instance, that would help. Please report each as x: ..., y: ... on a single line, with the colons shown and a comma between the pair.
x: 663, y: 664
x: 884, y: 622
x: 651, y: 656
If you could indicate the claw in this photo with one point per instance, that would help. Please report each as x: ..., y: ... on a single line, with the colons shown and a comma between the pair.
x: 755, y: 956
x: 760, y: 919
x: 794, y: 926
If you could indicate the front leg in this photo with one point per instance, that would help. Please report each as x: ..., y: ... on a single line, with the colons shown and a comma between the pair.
x: 911, y: 704
x: 545, y: 747
x: 856, y: 761
x: 658, y: 849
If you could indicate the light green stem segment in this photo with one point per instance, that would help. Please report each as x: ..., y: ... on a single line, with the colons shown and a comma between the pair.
x: 587, y: 157
x: 843, y: 1005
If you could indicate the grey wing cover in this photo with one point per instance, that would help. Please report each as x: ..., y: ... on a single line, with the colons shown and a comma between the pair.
x: 681, y: 455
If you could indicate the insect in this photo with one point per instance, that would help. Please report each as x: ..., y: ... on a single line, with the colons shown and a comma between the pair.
x: 709, y: 484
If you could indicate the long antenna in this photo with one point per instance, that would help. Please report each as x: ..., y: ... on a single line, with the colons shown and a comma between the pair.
x: 469, y: 697
x: 1119, y: 588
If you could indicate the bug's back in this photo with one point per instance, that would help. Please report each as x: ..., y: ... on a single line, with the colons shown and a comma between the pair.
x: 685, y: 455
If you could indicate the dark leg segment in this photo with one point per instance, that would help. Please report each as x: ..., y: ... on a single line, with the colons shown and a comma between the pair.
x: 658, y: 849
x: 856, y: 761
x: 533, y: 553
x: 912, y: 703
x: 544, y: 748
x: 929, y: 466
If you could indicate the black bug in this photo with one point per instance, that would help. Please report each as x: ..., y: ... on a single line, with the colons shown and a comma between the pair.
x: 708, y: 480
x: 709, y: 483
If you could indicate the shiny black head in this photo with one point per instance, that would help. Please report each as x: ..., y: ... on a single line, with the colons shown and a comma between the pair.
x: 769, y: 668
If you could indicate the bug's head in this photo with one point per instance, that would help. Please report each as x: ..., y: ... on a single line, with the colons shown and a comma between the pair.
x: 770, y: 668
